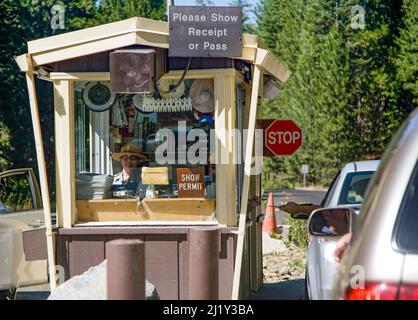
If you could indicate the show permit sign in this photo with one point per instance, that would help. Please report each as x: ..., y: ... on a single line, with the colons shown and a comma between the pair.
x: 191, y: 182
x: 205, y: 31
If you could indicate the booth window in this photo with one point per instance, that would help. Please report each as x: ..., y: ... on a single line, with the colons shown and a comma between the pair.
x: 167, y: 134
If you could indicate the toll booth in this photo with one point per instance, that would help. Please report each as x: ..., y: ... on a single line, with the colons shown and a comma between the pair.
x: 98, y: 112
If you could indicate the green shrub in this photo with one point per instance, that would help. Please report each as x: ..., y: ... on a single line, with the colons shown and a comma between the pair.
x: 298, y: 233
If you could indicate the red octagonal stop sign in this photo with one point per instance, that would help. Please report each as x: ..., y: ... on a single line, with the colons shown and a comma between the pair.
x: 283, y: 137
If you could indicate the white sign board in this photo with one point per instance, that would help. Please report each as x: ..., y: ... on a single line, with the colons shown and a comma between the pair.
x: 305, y: 169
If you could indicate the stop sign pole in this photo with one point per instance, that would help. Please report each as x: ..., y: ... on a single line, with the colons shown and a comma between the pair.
x: 283, y: 137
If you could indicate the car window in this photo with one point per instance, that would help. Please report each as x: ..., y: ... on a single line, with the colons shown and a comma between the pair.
x: 331, y: 190
x: 354, y: 187
x: 406, y: 236
x: 15, y: 193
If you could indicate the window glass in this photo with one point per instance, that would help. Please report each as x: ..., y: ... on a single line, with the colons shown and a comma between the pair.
x: 82, y: 131
x: 354, y: 187
x: 330, y: 191
x: 166, y: 136
x: 406, y: 227
x: 15, y: 193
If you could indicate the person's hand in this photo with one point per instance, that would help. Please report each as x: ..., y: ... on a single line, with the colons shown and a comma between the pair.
x: 331, y: 231
x: 253, y: 203
x: 293, y: 208
x: 342, y: 245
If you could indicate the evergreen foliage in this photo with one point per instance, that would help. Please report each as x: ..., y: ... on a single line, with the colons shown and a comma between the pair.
x: 25, y: 20
x: 350, y: 88
x: 247, y: 26
x: 407, y: 60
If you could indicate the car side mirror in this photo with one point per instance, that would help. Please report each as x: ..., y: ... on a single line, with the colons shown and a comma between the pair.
x: 330, y: 222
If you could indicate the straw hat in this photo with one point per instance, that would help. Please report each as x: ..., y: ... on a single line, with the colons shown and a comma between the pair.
x: 129, y: 150
x: 202, y: 95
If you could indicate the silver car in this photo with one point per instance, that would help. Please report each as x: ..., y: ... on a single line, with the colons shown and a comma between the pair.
x: 382, y: 261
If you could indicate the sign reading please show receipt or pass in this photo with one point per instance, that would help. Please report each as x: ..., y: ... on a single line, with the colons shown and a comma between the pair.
x: 205, y: 31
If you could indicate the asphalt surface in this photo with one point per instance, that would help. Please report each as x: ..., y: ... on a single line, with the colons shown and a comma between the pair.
x: 283, y: 290
x: 297, y: 195
x: 38, y: 292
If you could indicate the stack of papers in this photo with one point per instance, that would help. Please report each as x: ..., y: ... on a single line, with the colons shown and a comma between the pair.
x: 93, y: 186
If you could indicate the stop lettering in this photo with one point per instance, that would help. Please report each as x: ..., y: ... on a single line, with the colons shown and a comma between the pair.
x: 283, y: 137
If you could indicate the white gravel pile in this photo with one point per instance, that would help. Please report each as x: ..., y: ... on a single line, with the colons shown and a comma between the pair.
x: 271, y: 245
x: 91, y: 285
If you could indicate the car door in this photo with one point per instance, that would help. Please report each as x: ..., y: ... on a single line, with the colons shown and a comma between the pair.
x: 318, y: 263
x: 321, y: 267
x: 20, y: 210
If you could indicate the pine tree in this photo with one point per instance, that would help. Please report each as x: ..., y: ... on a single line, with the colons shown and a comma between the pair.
x: 247, y: 26
x: 372, y: 113
x: 343, y: 91
x: 313, y: 97
x: 80, y: 14
x: 279, y: 25
x: 25, y: 20
x: 204, y: 3
x: 407, y: 60
x: 116, y: 10
x: 5, y: 146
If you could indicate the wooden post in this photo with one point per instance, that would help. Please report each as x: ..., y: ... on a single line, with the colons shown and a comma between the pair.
x: 65, y: 152
x: 204, y: 263
x: 125, y: 269
x: 246, y: 184
x: 222, y: 151
x: 30, y: 80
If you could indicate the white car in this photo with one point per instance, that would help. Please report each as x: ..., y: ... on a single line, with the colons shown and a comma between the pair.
x: 347, y: 189
x: 20, y: 210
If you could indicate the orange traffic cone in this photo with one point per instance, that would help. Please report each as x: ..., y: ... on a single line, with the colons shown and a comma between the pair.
x: 269, y: 222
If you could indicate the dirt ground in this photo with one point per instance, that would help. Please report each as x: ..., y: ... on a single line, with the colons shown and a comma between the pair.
x: 285, y: 265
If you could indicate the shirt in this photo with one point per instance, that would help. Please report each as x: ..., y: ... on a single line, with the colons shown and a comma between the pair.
x: 133, y: 183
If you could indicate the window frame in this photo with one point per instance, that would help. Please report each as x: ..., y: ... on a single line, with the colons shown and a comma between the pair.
x: 347, y: 183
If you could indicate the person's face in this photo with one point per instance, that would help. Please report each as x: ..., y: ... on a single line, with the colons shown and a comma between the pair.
x: 129, y: 162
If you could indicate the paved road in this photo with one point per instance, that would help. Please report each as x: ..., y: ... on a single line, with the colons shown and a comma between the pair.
x: 290, y: 289
x: 283, y: 290
x: 38, y: 292
x: 300, y: 196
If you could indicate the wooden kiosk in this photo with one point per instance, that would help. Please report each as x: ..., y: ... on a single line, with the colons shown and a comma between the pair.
x: 85, y: 141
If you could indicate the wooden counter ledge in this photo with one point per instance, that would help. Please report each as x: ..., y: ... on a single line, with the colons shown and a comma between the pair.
x: 171, y: 209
